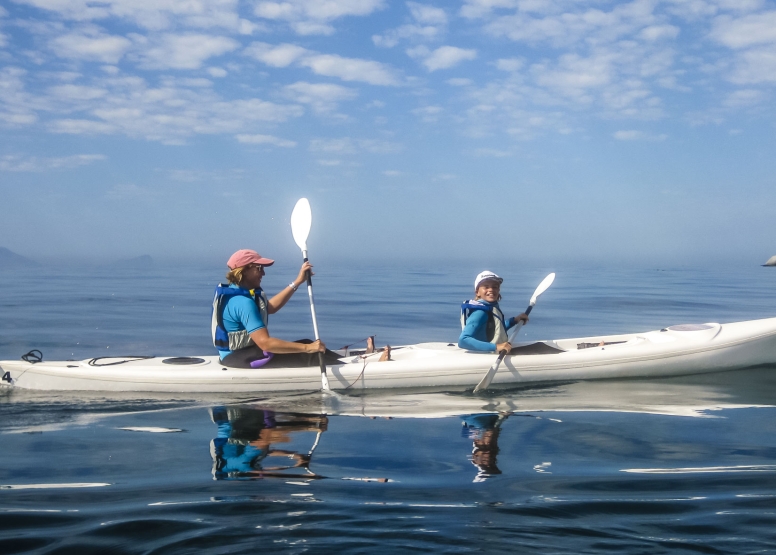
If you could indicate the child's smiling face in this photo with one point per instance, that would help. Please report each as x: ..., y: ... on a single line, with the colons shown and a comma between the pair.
x: 489, y: 290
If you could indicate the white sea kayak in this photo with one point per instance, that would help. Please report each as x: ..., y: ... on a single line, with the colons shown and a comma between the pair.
x: 676, y: 350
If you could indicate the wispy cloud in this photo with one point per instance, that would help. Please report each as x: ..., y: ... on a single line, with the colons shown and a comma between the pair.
x: 23, y: 163
x: 443, y: 57
x: 752, y: 39
x: 209, y: 176
x: 77, y: 92
x: 266, y: 140
x: 427, y: 24
x: 492, y: 152
x: 187, y: 51
x: 659, y: 32
x: 328, y: 65
x: 510, y: 64
x: 324, y: 98
x: 82, y: 127
x: 91, y: 44
x: 168, y: 113
x: 428, y: 114
x: 427, y: 15
x: 150, y: 15
x: 347, y: 145
x: 217, y: 72
x: 576, y: 23
x: 315, y: 17
x: 756, y: 66
x: 743, y: 32
x: 18, y: 107
x: 350, y: 69
x: 634, y: 135
x: 744, y: 98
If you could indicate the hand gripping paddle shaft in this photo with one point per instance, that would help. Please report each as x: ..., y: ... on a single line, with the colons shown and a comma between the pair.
x: 301, y: 221
x: 485, y: 381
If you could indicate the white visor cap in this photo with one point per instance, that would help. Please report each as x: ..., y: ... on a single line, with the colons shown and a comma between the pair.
x: 486, y: 275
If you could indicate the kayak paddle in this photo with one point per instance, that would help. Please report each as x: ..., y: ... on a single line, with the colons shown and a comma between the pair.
x: 543, y: 286
x: 301, y: 220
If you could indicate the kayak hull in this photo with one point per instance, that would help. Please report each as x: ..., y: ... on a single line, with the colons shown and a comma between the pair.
x: 677, y: 350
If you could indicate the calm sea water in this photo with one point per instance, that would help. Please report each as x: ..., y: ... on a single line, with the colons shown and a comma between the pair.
x: 682, y: 465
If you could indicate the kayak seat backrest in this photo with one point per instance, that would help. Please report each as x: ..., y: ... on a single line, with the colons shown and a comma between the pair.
x: 303, y: 360
x: 535, y: 349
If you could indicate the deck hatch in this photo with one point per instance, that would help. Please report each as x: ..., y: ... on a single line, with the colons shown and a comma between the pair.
x: 690, y: 327
x: 183, y: 360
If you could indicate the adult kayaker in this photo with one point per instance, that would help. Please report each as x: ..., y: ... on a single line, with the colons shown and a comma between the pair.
x: 484, y: 326
x: 241, y: 310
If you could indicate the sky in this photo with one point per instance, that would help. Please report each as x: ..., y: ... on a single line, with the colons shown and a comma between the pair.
x: 491, y: 129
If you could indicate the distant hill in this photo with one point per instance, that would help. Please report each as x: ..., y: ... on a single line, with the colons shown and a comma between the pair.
x: 144, y: 262
x: 11, y: 260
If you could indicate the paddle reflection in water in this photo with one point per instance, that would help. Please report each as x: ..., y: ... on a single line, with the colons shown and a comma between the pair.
x: 244, y: 448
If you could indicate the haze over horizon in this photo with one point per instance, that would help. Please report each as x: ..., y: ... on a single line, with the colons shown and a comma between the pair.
x: 513, y: 129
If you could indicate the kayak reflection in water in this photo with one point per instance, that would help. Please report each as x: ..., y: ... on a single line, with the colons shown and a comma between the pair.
x: 244, y: 443
x: 240, y: 316
x: 483, y: 323
x: 483, y: 430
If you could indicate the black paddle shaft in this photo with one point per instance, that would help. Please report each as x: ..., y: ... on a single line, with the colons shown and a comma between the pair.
x: 502, y: 354
x: 309, y: 274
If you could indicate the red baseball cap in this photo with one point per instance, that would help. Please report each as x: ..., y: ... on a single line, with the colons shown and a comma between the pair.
x: 243, y: 257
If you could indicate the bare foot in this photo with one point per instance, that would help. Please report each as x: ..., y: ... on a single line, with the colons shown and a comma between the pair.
x: 370, y: 345
x: 386, y: 354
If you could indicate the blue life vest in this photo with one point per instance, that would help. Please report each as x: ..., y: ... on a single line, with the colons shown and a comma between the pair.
x: 232, y: 341
x: 496, y: 331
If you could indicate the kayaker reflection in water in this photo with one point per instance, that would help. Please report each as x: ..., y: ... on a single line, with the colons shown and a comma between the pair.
x: 483, y: 430
x: 243, y: 445
x: 240, y: 314
x: 484, y: 327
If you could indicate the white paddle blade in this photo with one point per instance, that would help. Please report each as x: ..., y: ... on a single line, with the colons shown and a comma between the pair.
x: 543, y: 286
x: 487, y: 378
x: 301, y: 220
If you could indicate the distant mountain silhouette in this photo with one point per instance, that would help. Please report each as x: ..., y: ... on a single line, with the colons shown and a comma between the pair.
x: 9, y: 259
x: 144, y: 262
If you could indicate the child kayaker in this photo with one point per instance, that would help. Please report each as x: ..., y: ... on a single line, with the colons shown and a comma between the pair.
x: 484, y: 326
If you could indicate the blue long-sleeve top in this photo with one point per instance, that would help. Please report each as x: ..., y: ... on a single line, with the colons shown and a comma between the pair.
x: 474, y: 334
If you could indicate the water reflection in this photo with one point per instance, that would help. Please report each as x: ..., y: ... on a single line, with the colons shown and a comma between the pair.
x: 245, y: 446
x: 483, y: 430
x: 246, y: 443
